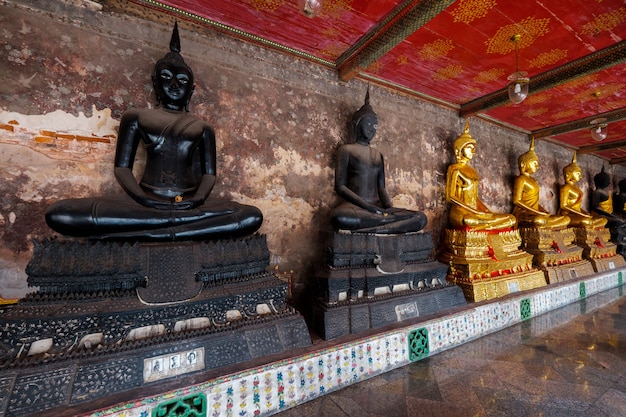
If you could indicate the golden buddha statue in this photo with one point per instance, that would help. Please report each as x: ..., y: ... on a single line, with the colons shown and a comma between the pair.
x: 526, y: 196
x: 467, y: 211
x: 572, y: 198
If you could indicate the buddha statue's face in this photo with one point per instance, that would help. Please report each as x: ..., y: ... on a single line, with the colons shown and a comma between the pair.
x: 531, y: 166
x: 173, y: 85
x: 468, y: 151
x: 368, y: 126
x: 573, y: 175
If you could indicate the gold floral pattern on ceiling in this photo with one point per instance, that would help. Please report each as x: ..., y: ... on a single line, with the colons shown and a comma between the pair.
x: 538, y: 111
x: 332, y: 51
x: 530, y: 28
x: 606, y: 21
x: 564, y: 114
x: 334, y: 8
x: 548, y: 58
x: 402, y: 60
x: 331, y: 33
x: 613, y: 104
x: 490, y: 75
x: 447, y: 73
x: 470, y: 10
x: 591, y: 78
x: 266, y: 5
x: 605, y: 90
x: 538, y: 98
x: 436, y: 49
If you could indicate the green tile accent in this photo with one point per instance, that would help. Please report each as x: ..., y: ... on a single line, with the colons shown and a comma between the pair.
x: 190, y: 406
x: 524, y: 307
x: 418, y: 344
x: 620, y: 280
x: 583, y: 290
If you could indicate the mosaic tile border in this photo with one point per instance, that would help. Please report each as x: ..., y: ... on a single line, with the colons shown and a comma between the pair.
x: 266, y: 390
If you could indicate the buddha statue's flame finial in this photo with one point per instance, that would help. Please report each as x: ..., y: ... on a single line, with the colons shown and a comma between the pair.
x: 175, y: 39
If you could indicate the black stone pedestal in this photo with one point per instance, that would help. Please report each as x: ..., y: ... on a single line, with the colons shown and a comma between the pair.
x: 126, y: 316
x: 372, y: 280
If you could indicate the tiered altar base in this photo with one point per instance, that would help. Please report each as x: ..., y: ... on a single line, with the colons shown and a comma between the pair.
x: 489, y: 264
x: 598, y: 248
x: 374, y: 280
x: 555, y: 253
x: 112, y: 317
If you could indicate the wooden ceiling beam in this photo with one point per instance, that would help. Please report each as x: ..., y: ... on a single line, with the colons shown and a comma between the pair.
x: 584, y: 123
x: 601, y: 147
x: 592, y: 63
x: 395, y: 28
x: 618, y: 160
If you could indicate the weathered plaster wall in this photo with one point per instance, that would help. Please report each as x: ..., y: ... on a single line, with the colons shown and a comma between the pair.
x: 68, y: 74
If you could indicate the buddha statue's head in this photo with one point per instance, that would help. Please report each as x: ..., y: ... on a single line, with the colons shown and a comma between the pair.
x: 172, y: 78
x: 529, y: 161
x: 602, y: 179
x: 465, y: 145
x: 572, y: 172
x: 365, y: 121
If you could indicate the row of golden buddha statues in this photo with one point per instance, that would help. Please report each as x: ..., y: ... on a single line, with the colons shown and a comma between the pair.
x: 492, y: 254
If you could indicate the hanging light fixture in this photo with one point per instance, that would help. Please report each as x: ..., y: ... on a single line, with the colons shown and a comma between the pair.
x: 598, y: 127
x: 518, y: 82
x: 310, y: 8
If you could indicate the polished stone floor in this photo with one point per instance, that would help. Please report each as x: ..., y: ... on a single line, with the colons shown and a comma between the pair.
x: 568, y: 362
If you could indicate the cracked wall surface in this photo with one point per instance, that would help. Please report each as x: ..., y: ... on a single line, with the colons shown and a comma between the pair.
x: 68, y: 73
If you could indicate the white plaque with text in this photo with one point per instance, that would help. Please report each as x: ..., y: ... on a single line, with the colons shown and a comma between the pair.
x: 172, y: 364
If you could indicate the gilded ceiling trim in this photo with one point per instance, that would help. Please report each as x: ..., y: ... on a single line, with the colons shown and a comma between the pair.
x: 597, y: 61
x: 237, y: 33
x: 402, y: 23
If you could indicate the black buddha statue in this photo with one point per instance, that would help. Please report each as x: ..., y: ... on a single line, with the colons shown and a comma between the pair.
x: 171, y: 201
x: 602, y: 205
x: 360, y: 182
x: 619, y: 199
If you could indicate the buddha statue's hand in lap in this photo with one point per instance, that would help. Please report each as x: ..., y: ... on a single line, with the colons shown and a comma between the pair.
x: 360, y: 182
x: 467, y: 211
x: 171, y: 201
x: 572, y: 197
x: 527, y: 210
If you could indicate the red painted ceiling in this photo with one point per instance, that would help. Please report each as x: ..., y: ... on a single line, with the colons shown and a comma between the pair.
x: 460, y: 54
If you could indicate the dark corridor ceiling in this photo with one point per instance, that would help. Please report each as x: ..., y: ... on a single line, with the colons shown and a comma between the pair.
x: 457, y: 53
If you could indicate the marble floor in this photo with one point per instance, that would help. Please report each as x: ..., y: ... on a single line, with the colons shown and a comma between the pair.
x: 568, y: 362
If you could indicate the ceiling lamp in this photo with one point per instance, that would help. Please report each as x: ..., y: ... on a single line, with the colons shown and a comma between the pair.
x: 518, y: 82
x: 310, y: 8
x: 598, y: 127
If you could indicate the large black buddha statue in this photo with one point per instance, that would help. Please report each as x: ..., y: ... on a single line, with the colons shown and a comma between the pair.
x: 171, y: 202
x: 360, y: 182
